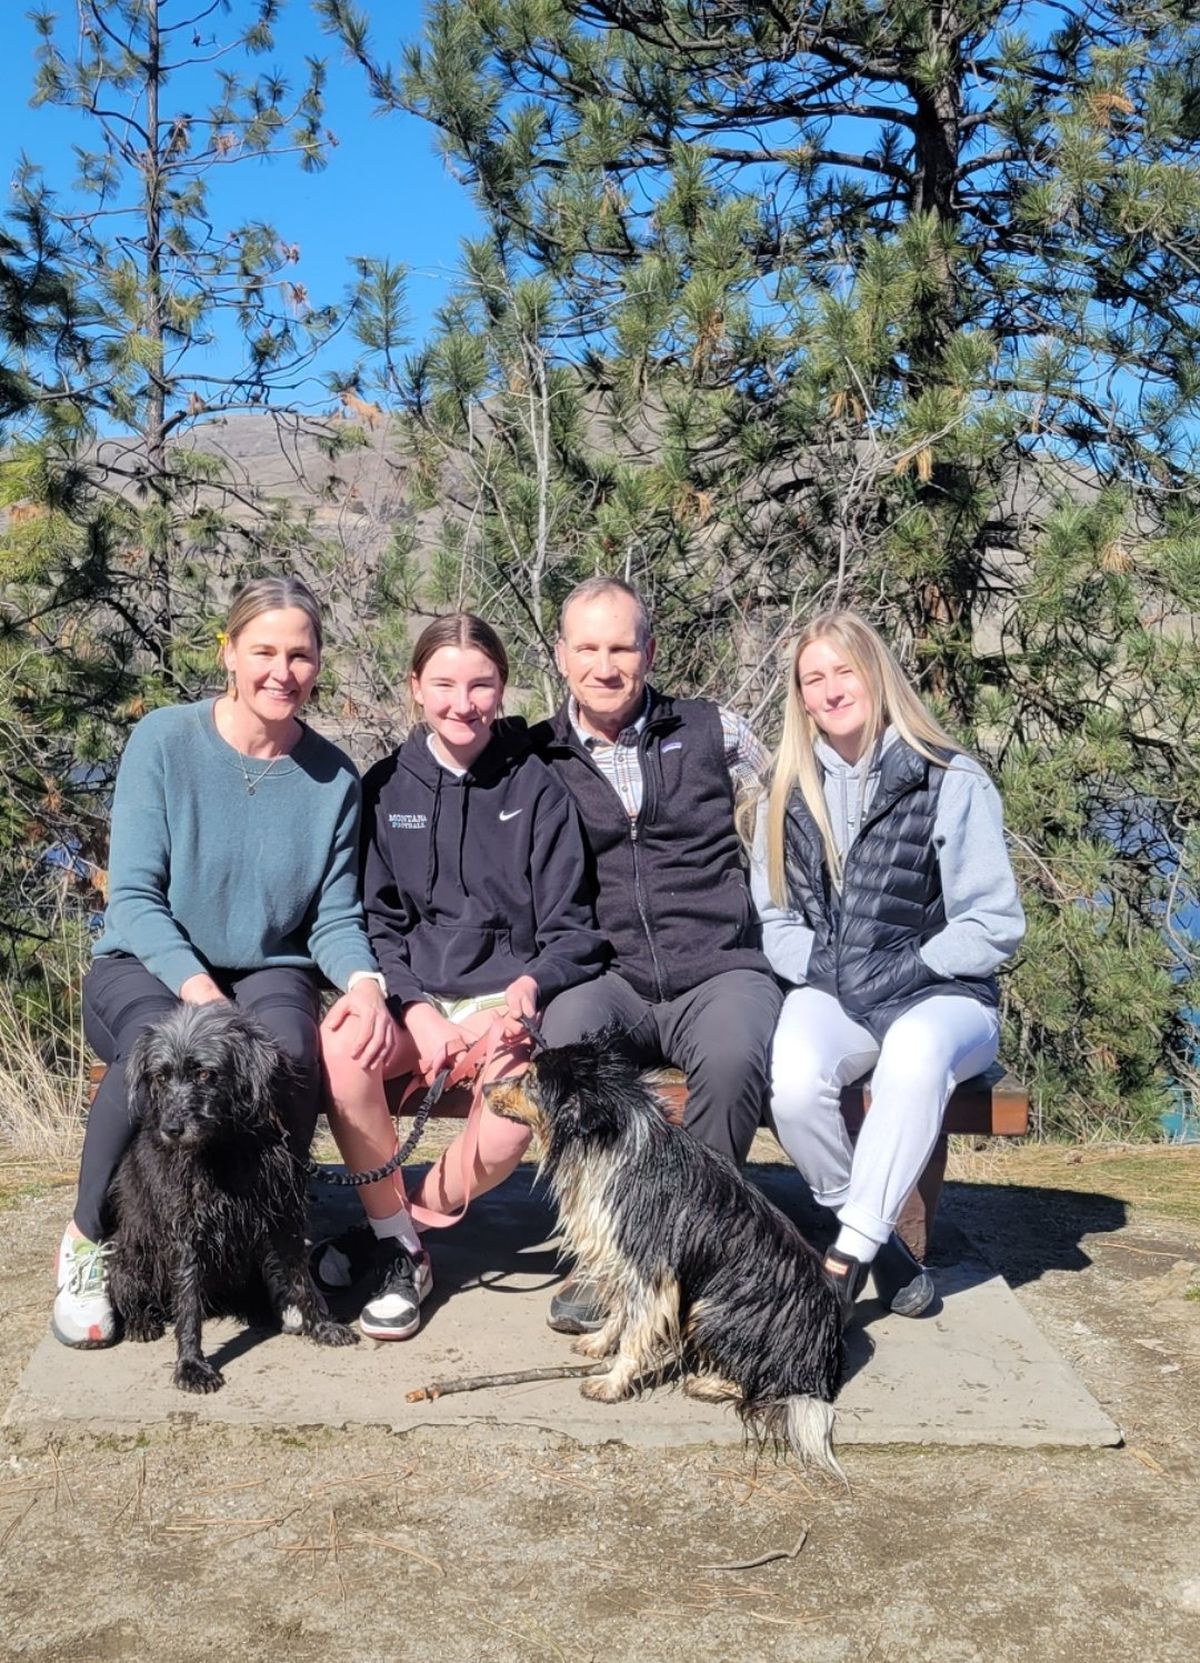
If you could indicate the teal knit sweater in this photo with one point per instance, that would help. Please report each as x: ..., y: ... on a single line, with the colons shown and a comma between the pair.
x: 205, y: 876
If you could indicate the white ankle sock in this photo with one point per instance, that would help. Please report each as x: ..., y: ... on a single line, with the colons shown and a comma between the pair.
x: 854, y: 1243
x: 399, y: 1227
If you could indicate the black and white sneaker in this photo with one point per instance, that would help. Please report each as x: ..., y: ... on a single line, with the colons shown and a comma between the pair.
x: 403, y: 1280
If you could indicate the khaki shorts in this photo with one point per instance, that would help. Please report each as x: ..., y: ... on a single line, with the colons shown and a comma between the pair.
x: 458, y: 1010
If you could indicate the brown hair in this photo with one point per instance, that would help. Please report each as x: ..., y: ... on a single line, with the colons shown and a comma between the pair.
x: 459, y: 629
x: 273, y: 594
x: 592, y: 588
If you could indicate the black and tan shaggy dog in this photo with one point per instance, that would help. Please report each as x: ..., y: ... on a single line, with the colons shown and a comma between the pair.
x: 694, y: 1265
x: 210, y: 1203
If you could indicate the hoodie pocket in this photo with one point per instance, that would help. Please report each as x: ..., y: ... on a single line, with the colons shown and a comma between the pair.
x: 462, y: 958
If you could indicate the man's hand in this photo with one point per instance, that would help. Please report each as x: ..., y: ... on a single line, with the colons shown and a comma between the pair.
x: 376, y: 1030
x: 200, y: 990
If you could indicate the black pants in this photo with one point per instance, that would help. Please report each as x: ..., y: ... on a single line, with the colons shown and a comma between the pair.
x: 121, y: 997
x: 719, y: 1034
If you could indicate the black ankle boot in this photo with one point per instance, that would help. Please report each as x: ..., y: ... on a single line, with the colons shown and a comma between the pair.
x: 901, y: 1281
x: 847, y: 1284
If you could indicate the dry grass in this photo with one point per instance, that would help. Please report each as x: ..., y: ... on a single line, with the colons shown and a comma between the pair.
x: 41, y: 1102
x: 1155, y: 1179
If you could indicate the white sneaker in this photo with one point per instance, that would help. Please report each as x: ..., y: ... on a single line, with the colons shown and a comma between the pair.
x: 83, y: 1315
x: 403, y: 1280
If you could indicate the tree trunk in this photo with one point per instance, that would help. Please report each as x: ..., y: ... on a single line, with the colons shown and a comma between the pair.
x: 158, y: 543
x: 940, y: 606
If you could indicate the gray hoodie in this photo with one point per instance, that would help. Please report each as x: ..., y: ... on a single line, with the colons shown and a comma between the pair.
x: 984, y: 918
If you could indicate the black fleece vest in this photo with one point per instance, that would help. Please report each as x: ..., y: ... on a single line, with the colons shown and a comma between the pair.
x: 868, y: 939
x: 671, y: 891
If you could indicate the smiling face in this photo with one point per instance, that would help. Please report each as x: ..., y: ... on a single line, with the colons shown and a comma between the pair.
x: 835, y: 696
x: 459, y: 692
x: 273, y: 662
x: 605, y: 658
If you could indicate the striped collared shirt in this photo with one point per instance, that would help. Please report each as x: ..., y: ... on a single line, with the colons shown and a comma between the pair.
x: 620, y: 763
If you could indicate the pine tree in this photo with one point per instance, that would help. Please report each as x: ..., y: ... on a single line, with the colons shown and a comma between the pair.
x: 121, y: 531
x: 165, y: 281
x: 902, y: 300
x: 44, y: 355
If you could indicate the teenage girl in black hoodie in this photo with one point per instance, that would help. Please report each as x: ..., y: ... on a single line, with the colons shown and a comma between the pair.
x: 477, y: 905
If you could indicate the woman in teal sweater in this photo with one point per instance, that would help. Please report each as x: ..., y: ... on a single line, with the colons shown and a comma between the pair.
x: 233, y: 874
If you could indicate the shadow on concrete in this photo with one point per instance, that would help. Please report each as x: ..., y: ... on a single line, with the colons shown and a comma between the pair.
x: 1020, y: 1232
x: 1023, y: 1232
x: 508, y: 1244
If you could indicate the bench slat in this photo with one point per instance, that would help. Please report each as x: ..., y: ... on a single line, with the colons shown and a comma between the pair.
x: 993, y: 1104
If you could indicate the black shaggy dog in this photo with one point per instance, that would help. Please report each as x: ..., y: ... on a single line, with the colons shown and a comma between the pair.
x: 210, y: 1202
x: 694, y: 1265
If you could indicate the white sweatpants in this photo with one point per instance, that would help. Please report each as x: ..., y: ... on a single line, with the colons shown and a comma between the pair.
x: 818, y: 1049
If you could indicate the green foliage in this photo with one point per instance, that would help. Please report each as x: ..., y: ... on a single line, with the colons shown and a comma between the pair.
x: 879, y: 304
x: 121, y: 534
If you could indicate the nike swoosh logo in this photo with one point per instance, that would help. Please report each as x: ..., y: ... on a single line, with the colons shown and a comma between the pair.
x: 510, y: 814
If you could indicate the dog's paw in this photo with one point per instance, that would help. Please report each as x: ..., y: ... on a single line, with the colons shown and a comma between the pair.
x: 193, y: 1374
x: 291, y: 1320
x: 328, y: 1332
x: 144, y: 1328
x: 594, y: 1345
x: 605, y: 1389
x: 711, y: 1388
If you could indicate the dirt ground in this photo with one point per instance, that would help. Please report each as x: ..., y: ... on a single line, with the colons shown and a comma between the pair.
x: 199, y: 1543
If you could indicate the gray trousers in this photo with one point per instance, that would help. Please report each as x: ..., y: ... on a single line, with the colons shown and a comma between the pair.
x: 719, y: 1034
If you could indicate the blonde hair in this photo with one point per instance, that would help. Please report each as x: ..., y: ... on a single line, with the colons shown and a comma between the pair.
x: 894, y: 702
x: 273, y: 594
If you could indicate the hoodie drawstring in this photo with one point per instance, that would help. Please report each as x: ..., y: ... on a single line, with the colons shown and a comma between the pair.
x: 431, y: 863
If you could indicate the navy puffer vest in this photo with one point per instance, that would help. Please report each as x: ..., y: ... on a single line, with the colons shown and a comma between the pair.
x: 868, y: 938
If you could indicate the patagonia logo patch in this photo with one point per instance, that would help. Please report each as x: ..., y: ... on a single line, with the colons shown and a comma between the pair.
x: 672, y: 745
x: 408, y: 822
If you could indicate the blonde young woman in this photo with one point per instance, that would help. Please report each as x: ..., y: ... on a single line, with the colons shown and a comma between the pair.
x: 888, y: 903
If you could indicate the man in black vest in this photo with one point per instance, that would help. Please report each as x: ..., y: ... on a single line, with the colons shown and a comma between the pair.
x: 656, y: 781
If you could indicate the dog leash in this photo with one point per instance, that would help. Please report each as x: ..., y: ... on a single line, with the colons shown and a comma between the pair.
x: 357, y: 1180
x: 491, y: 1046
x: 472, y: 1064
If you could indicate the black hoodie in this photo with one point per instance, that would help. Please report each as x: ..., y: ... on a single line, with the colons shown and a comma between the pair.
x: 473, y: 880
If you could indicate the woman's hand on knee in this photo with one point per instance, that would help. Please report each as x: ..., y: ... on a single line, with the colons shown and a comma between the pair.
x: 364, y: 1025
x: 437, y: 1038
x: 201, y: 990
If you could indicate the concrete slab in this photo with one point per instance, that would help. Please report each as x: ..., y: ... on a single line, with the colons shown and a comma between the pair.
x: 976, y: 1372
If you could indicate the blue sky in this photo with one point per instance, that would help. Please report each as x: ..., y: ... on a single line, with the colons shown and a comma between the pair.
x: 385, y: 191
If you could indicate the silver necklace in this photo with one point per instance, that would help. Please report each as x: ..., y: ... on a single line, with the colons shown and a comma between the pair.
x: 253, y: 781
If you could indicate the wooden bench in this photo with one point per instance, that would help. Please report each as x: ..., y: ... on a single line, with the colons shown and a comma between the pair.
x: 993, y: 1104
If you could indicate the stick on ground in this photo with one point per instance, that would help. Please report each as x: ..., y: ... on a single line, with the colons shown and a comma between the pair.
x: 476, y: 1382
x: 763, y: 1558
